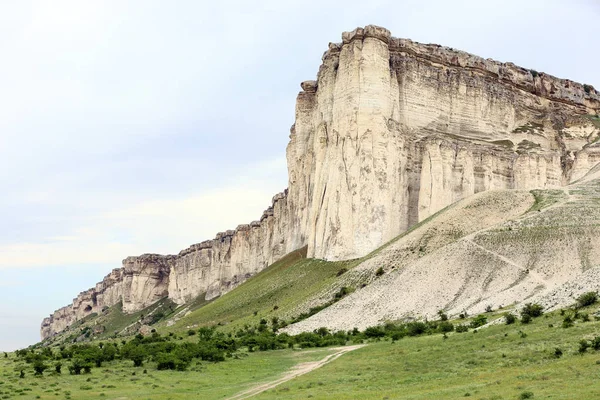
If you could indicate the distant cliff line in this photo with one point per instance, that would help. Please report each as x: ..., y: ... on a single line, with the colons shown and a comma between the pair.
x: 390, y: 132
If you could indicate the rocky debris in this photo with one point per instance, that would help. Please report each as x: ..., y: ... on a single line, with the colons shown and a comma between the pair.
x: 145, y: 330
x: 390, y: 132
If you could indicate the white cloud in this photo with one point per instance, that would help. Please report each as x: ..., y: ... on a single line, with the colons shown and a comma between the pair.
x: 165, y: 225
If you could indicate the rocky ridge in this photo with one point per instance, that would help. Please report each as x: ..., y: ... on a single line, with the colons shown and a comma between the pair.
x: 389, y: 133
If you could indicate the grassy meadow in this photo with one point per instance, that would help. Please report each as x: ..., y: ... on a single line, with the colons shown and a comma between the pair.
x: 517, y: 361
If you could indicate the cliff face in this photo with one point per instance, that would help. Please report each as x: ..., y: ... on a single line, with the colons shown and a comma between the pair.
x: 391, y: 132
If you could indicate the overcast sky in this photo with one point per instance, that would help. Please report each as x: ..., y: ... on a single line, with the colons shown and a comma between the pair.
x: 145, y: 126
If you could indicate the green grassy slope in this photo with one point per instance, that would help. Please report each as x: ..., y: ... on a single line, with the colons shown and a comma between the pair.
x: 114, y: 321
x: 497, y: 362
x: 119, y: 380
x: 277, y: 291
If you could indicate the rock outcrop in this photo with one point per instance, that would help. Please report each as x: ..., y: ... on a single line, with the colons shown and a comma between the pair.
x: 389, y: 133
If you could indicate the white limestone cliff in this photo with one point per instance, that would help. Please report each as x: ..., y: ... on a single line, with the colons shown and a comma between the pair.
x: 390, y: 132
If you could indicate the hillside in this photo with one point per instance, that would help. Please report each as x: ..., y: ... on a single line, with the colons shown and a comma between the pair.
x: 497, y: 249
x: 390, y: 132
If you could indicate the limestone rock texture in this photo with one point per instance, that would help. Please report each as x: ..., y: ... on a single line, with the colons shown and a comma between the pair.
x: 393, y: 131
x: 390, y: 132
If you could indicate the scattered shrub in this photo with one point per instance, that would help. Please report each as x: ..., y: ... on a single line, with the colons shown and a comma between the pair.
x: 443, y: 315
x: 488, y: 308
x: 567, y: 322
x: 583, y: 346
x: 461, y: 328
x: 341, y: 272
x: 533, y: 310
x: 478, y: 321
x: 344, y: 290
x: 39, y: 367
x: 587, y: 299
x: 595, y: 343
x: 509, y: 318
x: 558, y: 352
x: 526, y: 395
x: 445, y: 326
x: 380, y: 271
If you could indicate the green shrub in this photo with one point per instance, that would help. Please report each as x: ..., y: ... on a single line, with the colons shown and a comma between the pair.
x: 461, y: 328
x: 343, y: 292
x: 526, y: 318
x: 595, y: 343
x: 509, y: 318
x: 567, y: 322
x: 533, y: 310
x: 478, y: 321
x: 374, y: 332
x: 443, y: 315
x: 416, y: 328
x: 445, y: 326
x: 587, y: 299
x: 39, y: 367
x: 583, y: 346
x: 380, y: 271
x: 341, y: 272
x: 558, y: 352
x: 526, y: 395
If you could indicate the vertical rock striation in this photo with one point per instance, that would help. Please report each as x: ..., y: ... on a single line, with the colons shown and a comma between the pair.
x: 391, y: 132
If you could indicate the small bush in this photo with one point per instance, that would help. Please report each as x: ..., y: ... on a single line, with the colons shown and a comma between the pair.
x: 478, y: 321
x: 526, y: 395
x: 587, y: 88
x: 341, y: 272
x: 558, y: 352
x: 488, y: 308
x: 587, y: 299
x: 342, y: 293
x: 526, y: 318
x: 567, y: 322
x: 534, y: 73
x: 583, y: 346
x: 443, y: 315
x: 533, y: 310
x: 522, y: 334
x: 445, y: 326
x: 461, y: 328
x: 509, y: 318
x: 380, y: 271
x: 416, y: 328
x: 596, y: 343
x: 39, y: 367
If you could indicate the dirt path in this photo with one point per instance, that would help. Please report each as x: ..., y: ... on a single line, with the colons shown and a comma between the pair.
x: 537, y: 277
x: 298, y: 370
